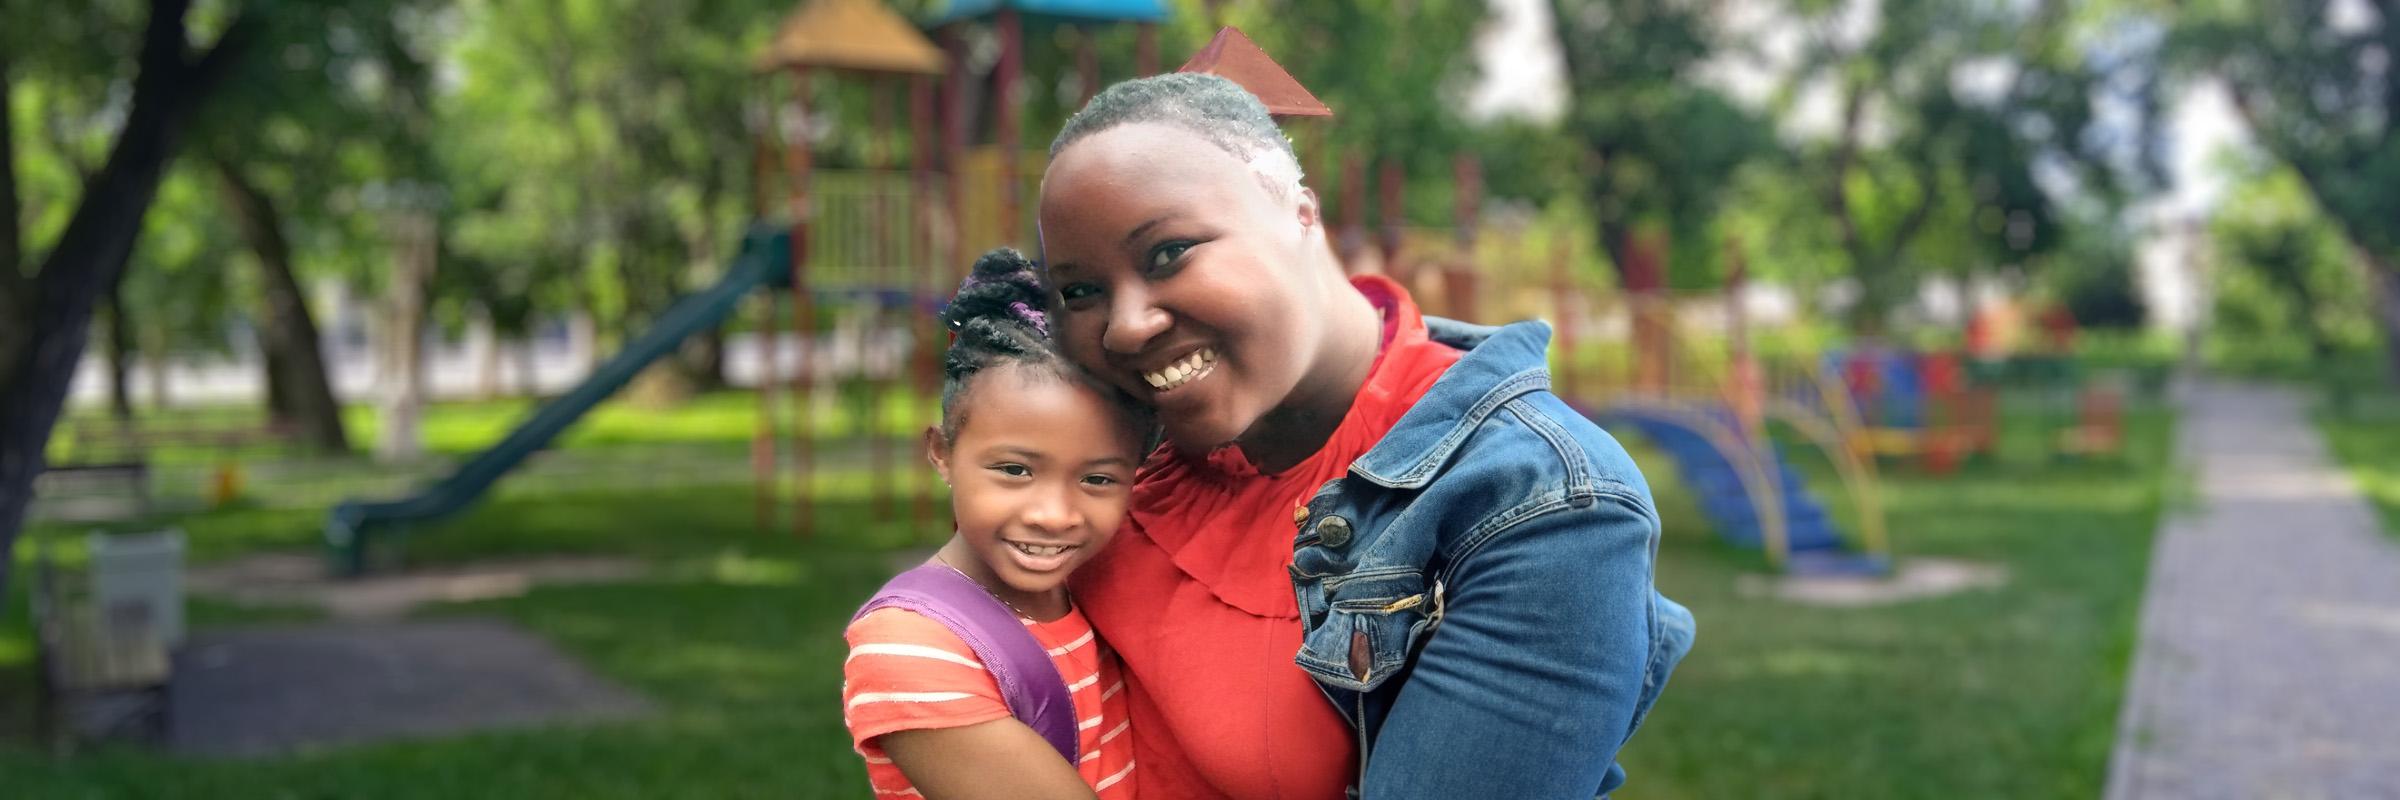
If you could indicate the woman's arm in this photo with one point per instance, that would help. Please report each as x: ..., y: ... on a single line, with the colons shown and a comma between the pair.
x: 1541, y: 666
x: 1003, y: 759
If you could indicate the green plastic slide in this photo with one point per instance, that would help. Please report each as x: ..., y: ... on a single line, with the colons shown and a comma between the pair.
x: 354, y: 523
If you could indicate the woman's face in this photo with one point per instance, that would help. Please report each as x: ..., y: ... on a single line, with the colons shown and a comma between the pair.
x: 1178, y: 276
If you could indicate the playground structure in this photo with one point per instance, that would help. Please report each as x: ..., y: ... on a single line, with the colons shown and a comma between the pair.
x: 865, y: 255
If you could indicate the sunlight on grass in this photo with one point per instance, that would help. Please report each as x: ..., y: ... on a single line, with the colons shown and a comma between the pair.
x: 2365, y: 436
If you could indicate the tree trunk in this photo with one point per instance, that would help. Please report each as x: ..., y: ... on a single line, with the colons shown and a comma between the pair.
x: 40, y: 350
x: 403, y: 335
x: 2383, y: 269
x: 277, y: 374
x: 120, y: 355
x: 484, y: 342
x: 299, y: 389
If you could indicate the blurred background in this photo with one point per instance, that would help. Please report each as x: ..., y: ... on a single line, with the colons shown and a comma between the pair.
x: 465, y: 398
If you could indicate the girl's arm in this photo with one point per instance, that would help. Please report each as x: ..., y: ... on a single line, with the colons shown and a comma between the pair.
x: 1003, y: 759
x: 1544, y: 660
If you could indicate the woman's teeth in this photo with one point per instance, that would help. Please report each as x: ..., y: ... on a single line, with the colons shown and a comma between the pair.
x: 1189, y: 369
x: 1041, y: 551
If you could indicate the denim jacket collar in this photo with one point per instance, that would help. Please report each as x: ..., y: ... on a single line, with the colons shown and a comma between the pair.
x: 1500, y: 364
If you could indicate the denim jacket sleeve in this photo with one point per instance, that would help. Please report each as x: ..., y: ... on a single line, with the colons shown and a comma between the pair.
x: 1541, y: 642
x: 1539, y: 670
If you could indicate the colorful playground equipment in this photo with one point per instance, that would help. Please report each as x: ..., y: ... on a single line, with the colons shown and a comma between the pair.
x: 1717, y: 419
x: 1917, y: 405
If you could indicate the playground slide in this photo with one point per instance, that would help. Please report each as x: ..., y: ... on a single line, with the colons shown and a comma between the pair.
x: 763, y: 262
x: 1699, y: 440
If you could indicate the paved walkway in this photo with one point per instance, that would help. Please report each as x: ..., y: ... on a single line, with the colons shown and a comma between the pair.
x: 2269, y: 664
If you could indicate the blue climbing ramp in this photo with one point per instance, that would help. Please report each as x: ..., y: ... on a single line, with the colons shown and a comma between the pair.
x: 1697, y: 438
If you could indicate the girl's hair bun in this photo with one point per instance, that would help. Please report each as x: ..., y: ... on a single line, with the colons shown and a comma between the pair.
x: 1004, y: 290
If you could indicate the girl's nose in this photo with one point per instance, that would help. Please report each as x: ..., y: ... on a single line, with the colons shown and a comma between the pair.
x: 1052, y: 510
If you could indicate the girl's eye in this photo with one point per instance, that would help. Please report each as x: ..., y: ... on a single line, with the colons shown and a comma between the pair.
x: 1099, y: 480
x: 1078, y: 295
x: 1013, y: 470
x: 1167, y: 253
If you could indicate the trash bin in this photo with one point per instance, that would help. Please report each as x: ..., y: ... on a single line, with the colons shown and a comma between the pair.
x: 137, y: 581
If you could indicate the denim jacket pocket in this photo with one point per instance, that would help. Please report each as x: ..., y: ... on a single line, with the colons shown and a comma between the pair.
x: 1373, y: 620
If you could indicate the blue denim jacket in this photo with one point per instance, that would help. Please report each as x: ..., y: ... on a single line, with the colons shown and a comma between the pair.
x: 1476, y: 591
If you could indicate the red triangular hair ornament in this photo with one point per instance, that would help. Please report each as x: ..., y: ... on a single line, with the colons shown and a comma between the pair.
x: 1238, y: 59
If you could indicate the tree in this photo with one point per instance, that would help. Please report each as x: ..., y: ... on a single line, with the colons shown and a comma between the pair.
x: 282, y: 148
x: 45, y: 314
x: 625, y: 169
x: 2285, y: 278
x: 1945, y: 111
x: 2313, y: 81
x: 1659, y: 146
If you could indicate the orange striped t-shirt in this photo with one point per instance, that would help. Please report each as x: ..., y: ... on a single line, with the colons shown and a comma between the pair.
x: 907, y: 672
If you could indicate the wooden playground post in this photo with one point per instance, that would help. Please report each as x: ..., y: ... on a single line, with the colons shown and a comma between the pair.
x: 1145, y: 49
x: 762, y: 442
x: 927, y: 369
x: 798, y: 161
x: 1460, y: 278
x: 1388, y: 188
x: 1353, y: 239
x: 1011, y: 69
x: 1562, y: 294
x: 1645, y: 284
x: 1748, y: 390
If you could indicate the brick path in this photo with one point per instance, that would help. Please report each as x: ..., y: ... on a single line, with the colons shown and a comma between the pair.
x: 2269, y: 664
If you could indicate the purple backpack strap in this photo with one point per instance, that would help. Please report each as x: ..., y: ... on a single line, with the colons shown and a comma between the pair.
x: 1035, y: 693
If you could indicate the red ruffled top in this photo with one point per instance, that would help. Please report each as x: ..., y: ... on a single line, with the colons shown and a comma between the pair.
x: 1196, y: 597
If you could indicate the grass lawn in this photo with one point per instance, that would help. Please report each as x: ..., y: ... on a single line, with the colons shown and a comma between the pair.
x: 2366, y: 438
x: 725, y: 419
x: 2000, y: 693
x: 2008, y: 693
x: 736, y: 635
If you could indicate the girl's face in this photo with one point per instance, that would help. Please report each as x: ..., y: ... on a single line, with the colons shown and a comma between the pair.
x: 1040, y: 472
x: 1179, y: 277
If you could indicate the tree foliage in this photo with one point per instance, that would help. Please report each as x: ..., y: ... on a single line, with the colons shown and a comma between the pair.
x: 2313, y: 80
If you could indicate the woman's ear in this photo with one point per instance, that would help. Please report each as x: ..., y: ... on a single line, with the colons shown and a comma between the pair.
x: 937, y: 452
x: 1305, y: 203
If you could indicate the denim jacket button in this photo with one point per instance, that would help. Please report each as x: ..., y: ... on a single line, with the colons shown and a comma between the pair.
x: 1299, y: 514
x: 1334, y: 531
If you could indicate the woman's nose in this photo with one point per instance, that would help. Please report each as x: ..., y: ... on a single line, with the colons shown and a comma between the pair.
x: 1133, y: 321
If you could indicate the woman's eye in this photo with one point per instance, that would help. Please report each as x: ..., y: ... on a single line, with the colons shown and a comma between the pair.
x: 1077, y: 295
x: 1165, y: 255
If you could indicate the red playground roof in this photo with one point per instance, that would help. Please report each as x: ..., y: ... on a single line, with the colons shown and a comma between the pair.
x: 1237, y: 58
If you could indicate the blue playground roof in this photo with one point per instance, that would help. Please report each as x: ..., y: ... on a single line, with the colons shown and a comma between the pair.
x: 1093, y: 10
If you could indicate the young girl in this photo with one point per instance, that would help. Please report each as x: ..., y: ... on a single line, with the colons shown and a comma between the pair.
x: 1040, y: 462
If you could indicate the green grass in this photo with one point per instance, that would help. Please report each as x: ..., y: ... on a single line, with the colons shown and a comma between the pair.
x: 736, y: 635
x: 2365, y: 437
x: 1998, y: 693
x: 2007, y: 693
x: 720, y: 420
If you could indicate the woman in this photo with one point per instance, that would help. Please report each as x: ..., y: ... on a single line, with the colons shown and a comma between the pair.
x: 1459, y: 564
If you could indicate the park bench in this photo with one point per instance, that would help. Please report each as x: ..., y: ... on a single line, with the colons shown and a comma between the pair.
x: 104, y: 491
x: 103, y: 669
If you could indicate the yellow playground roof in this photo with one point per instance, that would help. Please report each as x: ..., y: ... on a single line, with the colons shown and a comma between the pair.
x: 860, y: 35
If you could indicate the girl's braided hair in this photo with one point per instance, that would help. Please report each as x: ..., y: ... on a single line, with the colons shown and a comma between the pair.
x: 998, y: 318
